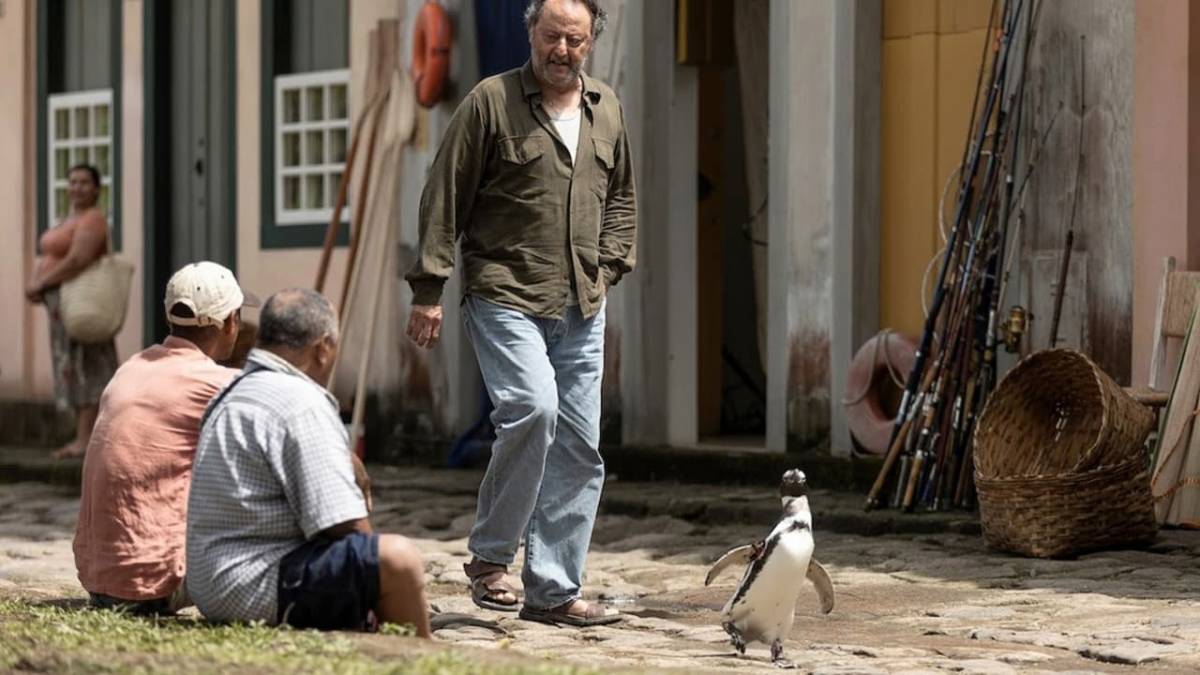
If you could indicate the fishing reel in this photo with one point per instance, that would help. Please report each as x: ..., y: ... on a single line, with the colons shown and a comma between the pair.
x: 1014, y: 328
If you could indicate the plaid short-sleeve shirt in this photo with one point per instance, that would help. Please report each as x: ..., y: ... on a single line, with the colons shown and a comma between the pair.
x: 272, y: 470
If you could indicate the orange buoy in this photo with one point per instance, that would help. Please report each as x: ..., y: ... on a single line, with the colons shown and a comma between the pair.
x: 874, y: 386
x: 432, y: 39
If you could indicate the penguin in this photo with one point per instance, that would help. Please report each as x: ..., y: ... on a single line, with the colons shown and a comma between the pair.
x: 763, y: 606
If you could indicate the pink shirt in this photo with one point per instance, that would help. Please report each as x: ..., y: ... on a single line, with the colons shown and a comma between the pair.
x: 129, y: 542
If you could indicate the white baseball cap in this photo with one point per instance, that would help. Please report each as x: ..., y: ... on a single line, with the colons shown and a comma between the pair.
x: 207, y: 289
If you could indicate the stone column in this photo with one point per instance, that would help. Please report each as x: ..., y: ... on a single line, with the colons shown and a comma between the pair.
x: 857, y: 81
x: 800, y: 219
x: 822, y: 212
x: 659, y: 335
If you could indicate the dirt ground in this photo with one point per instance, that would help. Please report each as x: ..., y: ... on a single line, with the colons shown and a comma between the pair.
x: 927, y: 603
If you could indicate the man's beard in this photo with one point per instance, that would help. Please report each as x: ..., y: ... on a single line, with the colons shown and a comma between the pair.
x: 550, y: 73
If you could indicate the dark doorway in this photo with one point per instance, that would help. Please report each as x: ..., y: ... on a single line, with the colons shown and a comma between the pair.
x: 731, y: 247
x: 732, y: 383
x: 190, y: 142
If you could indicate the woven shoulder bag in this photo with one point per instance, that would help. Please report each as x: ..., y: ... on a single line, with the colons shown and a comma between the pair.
x: 93, y: 304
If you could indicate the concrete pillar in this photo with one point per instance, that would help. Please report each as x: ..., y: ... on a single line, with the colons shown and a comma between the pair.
x: 799, y: 215
x: 857, y: 51
x: 822, y: 212
x: 800, y: 218
x: 133, y: 185
x: 659, y: 398
x: 1166, y: 157
x: 17, y: 186
x: 618, y: 60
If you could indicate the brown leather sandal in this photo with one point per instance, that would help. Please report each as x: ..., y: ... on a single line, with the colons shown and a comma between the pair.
x: 489, y: 584
x: 594, y: 614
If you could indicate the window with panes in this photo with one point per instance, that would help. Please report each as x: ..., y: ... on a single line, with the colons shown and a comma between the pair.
x: 311, y: 131
x: 79, y: 96
x: 79, y: 132
x: 307, y: 66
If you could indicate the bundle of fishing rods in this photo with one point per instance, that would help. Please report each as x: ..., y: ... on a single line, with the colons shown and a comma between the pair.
x: 928, y: 464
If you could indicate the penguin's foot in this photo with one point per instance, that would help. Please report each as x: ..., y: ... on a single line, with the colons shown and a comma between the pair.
x: 777, y: 656
x: 735, y: 638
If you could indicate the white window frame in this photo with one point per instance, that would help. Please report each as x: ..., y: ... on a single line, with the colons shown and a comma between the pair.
x: 301, y: 82
x: 71, y: 102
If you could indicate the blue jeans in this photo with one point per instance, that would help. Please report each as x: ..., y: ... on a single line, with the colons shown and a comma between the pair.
x: 544, y: 479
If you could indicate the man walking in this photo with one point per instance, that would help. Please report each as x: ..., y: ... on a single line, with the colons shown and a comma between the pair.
x: 535, y: 177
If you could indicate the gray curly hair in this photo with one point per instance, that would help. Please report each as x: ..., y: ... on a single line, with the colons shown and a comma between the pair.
x: 599, y: 17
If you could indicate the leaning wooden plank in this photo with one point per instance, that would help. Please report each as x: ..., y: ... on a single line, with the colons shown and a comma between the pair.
x: 387, y: 39
x: 335, y: 221
x: 400, y: 115
x: 1171, y: 457
x: 1157, y: 353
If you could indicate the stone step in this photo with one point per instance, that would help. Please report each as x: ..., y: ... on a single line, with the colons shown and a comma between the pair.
x: 834, y: 510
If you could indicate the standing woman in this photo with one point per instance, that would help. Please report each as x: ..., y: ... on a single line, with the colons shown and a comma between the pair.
x: 81, y: 371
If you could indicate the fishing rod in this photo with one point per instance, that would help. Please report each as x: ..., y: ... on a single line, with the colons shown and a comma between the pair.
x: 934, y: 431
x: 938, y: 400
x: 996, y: 298
x: 917, y: 376
x: 976, y: 399
x: 1066, y: 259
x: 980, y: 376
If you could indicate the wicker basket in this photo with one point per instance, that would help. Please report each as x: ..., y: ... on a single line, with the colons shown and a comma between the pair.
x: 93, y: 304
x: 1060, y: 460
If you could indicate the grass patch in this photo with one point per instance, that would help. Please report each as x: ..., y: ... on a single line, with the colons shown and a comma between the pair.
x: 50, y: 638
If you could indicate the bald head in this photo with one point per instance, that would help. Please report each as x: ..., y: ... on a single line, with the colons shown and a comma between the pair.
x: 296, y: 318
x: 300, y: 326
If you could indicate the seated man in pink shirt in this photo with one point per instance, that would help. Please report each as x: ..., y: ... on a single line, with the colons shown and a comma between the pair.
x: 129, y: 542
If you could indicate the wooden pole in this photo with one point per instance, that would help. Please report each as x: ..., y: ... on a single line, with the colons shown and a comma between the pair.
x: 335, y: 222
x: 387, y: 63
x: 381, y: 278
x: 383, y: 211
x: 1064, y: 268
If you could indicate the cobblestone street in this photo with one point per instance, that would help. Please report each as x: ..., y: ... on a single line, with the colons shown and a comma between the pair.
x: 905, y: 603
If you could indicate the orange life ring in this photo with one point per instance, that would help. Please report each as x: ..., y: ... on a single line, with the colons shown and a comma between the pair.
x: 878, y: 364
x: 432, y: 39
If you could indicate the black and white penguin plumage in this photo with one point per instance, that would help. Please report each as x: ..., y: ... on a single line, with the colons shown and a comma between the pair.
x: 764, y: 605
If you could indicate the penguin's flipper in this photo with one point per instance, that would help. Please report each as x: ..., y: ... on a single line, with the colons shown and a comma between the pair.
x: 824, y: 585
x: 738, y: 556
x: 741, y: 555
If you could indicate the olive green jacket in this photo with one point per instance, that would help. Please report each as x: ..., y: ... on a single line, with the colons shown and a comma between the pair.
x: 533, y: 226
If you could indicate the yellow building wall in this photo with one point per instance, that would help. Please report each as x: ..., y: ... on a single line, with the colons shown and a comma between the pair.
x: 931, y: 51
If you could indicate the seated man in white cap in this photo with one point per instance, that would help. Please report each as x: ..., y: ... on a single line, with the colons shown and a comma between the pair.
x: 129, y: 542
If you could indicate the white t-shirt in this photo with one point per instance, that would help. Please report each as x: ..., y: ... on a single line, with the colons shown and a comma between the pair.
x: 568, y: 129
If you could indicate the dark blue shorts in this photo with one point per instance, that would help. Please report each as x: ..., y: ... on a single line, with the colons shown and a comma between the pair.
x: 330, y: 584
